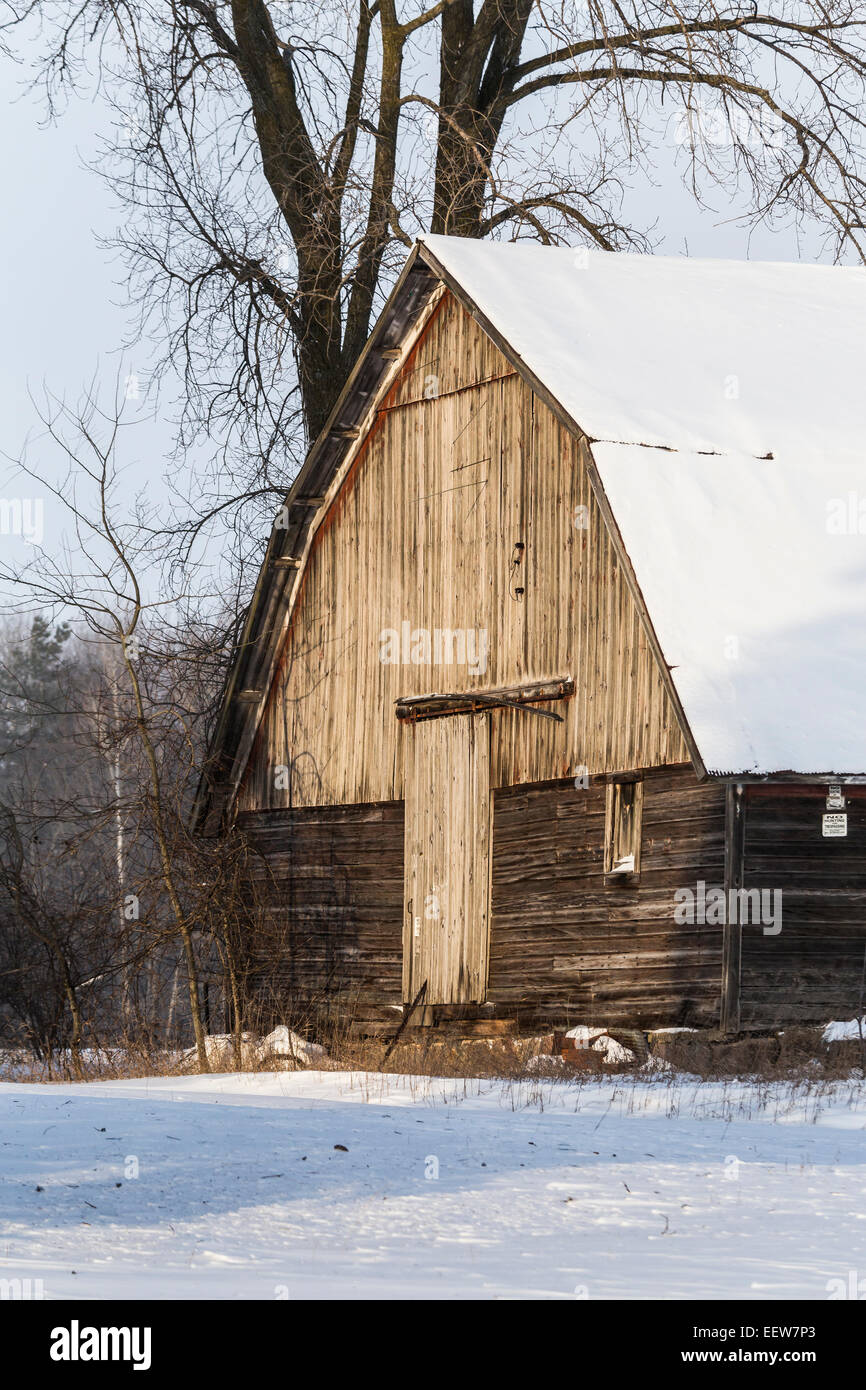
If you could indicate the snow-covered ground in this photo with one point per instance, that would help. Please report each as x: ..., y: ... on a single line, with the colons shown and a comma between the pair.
x: 332, y: 1184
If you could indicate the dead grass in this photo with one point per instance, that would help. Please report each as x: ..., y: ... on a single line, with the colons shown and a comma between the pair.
x: 789, y: 1055
x: 95, y: 1064
x: 796, y: 1055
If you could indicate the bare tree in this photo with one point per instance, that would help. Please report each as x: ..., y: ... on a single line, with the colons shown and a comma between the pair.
x: 277, y: 156
x: 97, y: 579
x: 52, y: 929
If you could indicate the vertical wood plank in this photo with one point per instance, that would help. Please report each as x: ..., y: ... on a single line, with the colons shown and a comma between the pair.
x: 732, y: 932
x: 447, y: 859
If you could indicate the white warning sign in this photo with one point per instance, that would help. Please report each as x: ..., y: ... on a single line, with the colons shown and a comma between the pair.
x: 835, y: 826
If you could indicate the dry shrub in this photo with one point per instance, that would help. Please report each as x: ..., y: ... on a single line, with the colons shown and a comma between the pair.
x: 791, y: 1054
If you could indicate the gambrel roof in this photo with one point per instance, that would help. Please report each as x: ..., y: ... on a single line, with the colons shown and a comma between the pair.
x: 725, y: 408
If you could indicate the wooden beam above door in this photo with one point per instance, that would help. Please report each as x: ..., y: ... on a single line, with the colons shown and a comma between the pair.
x: 437, y: 706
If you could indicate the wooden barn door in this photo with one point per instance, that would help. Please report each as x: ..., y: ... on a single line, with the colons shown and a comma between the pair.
x: 447, y: 859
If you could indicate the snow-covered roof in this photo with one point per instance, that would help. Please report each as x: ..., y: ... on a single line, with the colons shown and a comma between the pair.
x: 726, y: 402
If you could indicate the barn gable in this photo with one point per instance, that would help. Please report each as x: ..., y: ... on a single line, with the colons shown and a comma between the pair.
x: 467, y: 510
x: 616, y: 350
x: 389, y: 369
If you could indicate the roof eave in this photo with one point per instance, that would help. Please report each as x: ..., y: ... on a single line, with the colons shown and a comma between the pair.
x: 788, y: 775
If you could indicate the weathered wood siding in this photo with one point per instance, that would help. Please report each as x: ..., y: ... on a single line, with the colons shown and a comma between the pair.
x: 563, y: 945
x: 813, y: 969
x: 464, y: 463
x: 566, y: 946
x: 327, y: 889
x: 447, y: 859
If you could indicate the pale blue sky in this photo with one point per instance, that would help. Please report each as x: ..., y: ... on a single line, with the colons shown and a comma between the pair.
x: 62, y: 294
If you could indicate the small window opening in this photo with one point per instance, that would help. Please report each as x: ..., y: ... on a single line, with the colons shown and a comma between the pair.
x: 623, y: 831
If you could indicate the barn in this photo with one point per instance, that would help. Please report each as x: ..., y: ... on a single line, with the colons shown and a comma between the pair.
x: 550, y: 705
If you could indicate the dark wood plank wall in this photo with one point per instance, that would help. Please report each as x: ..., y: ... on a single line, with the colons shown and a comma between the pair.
x: 812, y: 970
x: 566, y: 946
x: 327, y: 893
